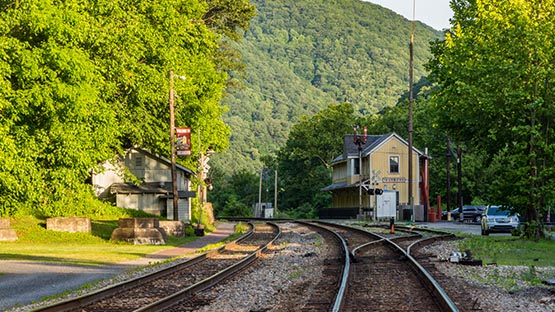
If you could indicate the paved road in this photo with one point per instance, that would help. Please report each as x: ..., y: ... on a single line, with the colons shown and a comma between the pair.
x: 468, y: 228
x: 452, y: 226
x: 25, y: 282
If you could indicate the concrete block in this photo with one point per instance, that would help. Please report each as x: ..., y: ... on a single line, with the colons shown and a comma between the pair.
x: 173, y: 228
x: 69, y: 224
x: 139, y: 223
x: 139, y: 231
x: 4, y: 223
x: 6, y: 233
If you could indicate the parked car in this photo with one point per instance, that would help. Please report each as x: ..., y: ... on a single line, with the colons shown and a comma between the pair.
x: 470, y: 212
x: 499, y: 220
x: 473, y: 213
x: 454, y: 212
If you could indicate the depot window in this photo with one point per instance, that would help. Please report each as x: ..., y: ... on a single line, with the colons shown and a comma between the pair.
x: 394, y: 164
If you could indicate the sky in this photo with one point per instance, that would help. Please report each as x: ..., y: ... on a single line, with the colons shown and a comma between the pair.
x: 435, y: 13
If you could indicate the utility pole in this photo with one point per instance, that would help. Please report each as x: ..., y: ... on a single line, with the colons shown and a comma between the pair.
x: 360, y: 141
x: 256, y: 214
x: 459, y: 182
x: 411, y: 103
x: 275, y: 193
x: 448, y: 169
x: 172, y: 144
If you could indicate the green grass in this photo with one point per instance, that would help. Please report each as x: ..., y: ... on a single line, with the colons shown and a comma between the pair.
x: 240, y: 229
x: 510, y: 250
x: 95, y: 248
x: 295, y: 274
x: 532, y: 261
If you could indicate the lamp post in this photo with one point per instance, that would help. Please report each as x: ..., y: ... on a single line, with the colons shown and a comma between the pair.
x: 360, y: 141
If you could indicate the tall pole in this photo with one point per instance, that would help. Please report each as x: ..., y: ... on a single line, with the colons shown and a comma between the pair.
x: 448, y: 170
x: 172, y: 144
x: 275, y: 192
x: 411, y: 100
x: 259, y: 195
x: 200, y: 186
x: 359, y: 141
x: 360, y: 179
x: 459, y: 182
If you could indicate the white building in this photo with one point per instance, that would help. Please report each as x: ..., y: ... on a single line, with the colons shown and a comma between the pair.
x: 154, y: 192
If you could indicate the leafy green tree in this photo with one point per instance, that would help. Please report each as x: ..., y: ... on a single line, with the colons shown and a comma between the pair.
x: 239, y: 189
x: 229, y: 17
x: 57, y: 124
x: 82, y: 79
x: 495, y: 72
x: 304, y: 164
x: 236, y: 208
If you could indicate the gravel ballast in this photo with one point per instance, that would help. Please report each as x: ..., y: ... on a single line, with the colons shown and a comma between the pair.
x: 284, y: 277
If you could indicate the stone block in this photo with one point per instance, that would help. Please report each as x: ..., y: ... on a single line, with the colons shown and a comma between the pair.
x: 139, y: 231
x: 6, y: 233
x: 4, y: 223
x: 69, y: 224
x: 139, y: 223
x: 173, y: 228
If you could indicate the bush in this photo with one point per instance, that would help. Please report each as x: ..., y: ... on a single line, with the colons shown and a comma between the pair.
x: 189, y: 231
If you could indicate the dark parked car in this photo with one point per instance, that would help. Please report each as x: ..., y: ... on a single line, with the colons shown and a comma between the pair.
x: 470, y: 212
x: 454, y: 212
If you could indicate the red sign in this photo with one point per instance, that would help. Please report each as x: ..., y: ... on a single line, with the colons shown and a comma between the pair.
x: 183, y: 142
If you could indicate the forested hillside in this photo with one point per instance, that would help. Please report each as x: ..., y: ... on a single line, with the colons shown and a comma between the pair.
x: 302, y: 55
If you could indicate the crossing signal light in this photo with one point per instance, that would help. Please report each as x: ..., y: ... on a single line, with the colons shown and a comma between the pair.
x: 209, y: 185
x: 375, y: 191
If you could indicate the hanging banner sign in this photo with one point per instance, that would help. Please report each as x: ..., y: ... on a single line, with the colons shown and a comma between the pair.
x: 183, y: 141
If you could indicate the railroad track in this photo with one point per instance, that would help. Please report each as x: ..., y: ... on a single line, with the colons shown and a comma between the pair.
x: 175, y: 286
x: 383, y: 276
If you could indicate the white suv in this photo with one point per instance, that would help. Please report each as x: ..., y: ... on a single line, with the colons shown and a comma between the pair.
x: 499, y: 220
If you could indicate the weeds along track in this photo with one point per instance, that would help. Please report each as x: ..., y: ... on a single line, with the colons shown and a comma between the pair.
x: 159, y: 289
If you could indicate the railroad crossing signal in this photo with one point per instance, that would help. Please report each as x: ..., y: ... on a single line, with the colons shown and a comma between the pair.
x: 374, y: 180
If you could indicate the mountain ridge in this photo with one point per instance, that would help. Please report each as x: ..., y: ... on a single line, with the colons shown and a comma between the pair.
x: 303, y: 55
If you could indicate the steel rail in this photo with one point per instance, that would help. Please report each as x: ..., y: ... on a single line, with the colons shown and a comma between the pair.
x: 422, y: 229
x: 429, y: 240
x: 212, y: 280
x: 339, y: 298
x: 446, y: 304
x: 77, y: 302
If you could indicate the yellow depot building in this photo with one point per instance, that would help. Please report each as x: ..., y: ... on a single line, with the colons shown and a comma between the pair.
x: 373, y: 181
